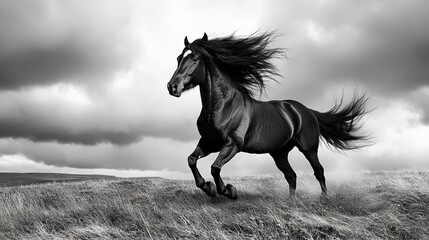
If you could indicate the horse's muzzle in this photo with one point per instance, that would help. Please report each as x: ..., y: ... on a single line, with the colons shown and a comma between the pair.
x: 174, y: 89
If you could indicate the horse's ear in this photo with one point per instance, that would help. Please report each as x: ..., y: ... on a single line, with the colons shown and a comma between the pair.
x: 205, y: 38
x: 186, y: 41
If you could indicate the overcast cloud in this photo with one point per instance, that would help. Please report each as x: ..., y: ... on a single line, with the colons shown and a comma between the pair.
x: 83, y: 84
x: 45, y: 42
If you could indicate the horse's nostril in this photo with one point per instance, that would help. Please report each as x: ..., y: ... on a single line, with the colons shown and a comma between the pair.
x: 174, y: 90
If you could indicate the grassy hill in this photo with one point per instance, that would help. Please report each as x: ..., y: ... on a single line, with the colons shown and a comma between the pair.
x: 17, y: 179
x: 382, y: 205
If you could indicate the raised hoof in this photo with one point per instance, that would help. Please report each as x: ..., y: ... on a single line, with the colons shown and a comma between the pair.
x: 232, y: 192
x: 210, y: 189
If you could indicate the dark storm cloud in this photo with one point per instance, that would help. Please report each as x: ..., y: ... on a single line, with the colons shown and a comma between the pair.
x: 382, y: 46
x: 66, y: 62
x: 39, y: 132
x: 43, y: 42
x: 34, y: 132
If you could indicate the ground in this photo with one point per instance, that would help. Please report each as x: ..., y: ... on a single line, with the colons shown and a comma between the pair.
x: 377, y: 205
x: 17, y: 179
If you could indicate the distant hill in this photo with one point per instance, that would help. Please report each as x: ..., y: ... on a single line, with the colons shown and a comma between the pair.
x: 16, y: 179
x: 380, y: 205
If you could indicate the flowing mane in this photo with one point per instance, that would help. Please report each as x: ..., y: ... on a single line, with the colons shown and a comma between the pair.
x: 246, y: 60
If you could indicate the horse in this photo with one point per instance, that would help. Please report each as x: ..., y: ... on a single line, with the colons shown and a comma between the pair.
x: 228, y: 70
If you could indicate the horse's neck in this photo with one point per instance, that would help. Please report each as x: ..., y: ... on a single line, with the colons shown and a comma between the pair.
x: 215, y: 91
x: 206, y: 96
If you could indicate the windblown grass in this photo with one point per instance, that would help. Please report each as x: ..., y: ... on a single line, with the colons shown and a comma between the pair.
x: 380, y: 205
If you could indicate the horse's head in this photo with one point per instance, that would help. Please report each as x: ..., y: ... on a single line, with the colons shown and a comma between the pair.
x: 190, y: 71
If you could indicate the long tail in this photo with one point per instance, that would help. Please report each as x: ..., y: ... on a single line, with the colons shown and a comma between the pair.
x: 339, y: 125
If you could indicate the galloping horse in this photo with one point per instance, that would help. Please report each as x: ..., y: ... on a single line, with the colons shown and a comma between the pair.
x: 227, y: 70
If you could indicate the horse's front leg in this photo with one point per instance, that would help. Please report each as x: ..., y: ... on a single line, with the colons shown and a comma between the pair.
x: 227, y: 152
x: 207, y: 187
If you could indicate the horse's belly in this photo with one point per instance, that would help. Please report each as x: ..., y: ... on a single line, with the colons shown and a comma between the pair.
x: 267, y: 140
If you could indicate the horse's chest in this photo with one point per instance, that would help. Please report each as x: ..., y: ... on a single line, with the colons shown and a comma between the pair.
x: 208, y: 130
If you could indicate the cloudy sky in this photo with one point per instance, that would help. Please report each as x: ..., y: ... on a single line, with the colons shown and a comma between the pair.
x: 83, y: 83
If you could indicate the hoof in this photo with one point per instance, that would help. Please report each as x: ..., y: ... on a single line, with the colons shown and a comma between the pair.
x: 324, y: 191
x: 232, y: 192
x: 210, y: 189
x: 323, y: 198
x: 292, y: 192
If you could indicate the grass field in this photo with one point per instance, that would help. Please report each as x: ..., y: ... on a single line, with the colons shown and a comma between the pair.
x: 17, y: 179
x: 380, y: 205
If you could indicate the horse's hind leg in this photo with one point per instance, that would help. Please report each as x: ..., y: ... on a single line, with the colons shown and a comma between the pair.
x: 282, y: 163
x: 312, y: 157
x: 307, y: 142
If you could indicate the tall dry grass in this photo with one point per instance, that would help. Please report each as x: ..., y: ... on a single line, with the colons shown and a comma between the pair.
x: 380, y: 205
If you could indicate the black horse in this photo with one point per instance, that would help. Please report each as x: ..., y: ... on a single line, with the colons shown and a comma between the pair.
x: 227, y: 70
